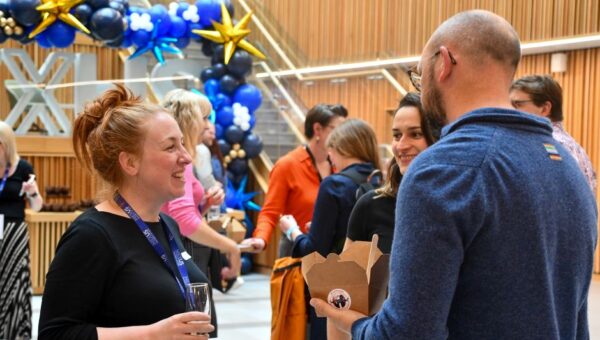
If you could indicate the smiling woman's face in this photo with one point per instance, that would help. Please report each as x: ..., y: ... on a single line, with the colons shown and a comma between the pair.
x: 408, y: 139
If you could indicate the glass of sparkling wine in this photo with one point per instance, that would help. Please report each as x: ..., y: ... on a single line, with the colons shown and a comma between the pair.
x: 197, y: 298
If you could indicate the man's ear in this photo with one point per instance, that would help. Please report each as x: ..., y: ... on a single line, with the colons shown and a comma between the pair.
x: 446, y: 69
x: 129, y: 163
x: 546, y: 109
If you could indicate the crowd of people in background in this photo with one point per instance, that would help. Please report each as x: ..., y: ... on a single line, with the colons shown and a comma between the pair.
x: 467, y: 208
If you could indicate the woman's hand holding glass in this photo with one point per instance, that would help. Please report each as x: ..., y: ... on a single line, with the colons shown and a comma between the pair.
x: 192, y: 325
x: 198, y: 300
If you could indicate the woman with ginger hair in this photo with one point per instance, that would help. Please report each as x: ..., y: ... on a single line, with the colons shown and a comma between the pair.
x: 120, y: 270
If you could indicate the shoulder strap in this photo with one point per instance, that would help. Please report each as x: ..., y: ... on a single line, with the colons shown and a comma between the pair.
x: 354, y: 175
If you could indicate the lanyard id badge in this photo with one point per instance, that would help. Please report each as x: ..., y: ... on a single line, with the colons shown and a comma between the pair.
x: 158, y: 248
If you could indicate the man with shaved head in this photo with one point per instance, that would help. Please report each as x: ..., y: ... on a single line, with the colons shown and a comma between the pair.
x: 482, y: 249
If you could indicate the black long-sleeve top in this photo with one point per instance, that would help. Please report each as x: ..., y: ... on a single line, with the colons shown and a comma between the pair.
x: 106, y: 274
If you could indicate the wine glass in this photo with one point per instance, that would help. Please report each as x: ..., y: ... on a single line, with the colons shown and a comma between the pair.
x: 197, y: 298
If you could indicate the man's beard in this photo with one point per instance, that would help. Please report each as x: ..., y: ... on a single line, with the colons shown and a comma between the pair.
x: 431, y: 99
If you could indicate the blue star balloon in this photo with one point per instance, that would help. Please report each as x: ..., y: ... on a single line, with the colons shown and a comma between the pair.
x: 238, y: 199
x: 157, y: 44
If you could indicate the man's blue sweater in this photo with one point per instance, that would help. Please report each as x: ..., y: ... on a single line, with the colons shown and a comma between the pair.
x: 495, y: 237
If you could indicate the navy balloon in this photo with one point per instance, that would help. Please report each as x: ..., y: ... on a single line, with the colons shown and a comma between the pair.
x: 207, y: 48
x: 229, y: 7
x: 24, y: 12
x: 218, y: 55
x: 107, y: 24
x: 206, y: 74
x: 83, y: 12
x: 96, y: 4
x: 3, y: 37
x: 225, y: 118
x: 178, y: 27
x: 218, y: 131
x: 42, y: 40
x: 60, y: 34
x: 234, y: 134
x: 252, y: 145
x: 240, y: 64
x: 182, y: 42
x: 140, y: 37
x: 238, y: 166
x: 249, y: 96
x: 219, y: 70
x: 224, y: 146
x: 229, y: 84
x: 212, y: 86
x: 118, y: 6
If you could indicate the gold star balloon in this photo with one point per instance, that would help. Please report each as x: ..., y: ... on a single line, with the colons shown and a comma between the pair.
x: 231, y: 36
x: 57, y: 9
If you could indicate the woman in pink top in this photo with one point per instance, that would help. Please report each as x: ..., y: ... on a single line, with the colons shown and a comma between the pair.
x: 191, y: 113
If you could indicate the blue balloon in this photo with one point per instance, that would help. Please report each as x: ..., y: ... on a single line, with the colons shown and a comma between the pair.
x: 126, y: 41
x: 209, y: 10
x: 183, y: 6
x: 253, y: 145
x: 157, y: 12
x: 140, y: 37
x: 252, y: 120
x: 218, y: 131
x: 224, y: 99
x: 107, y: 24
x: 164, y: 26
x: 42, y: 40
x: 212, y: 87
x: 182, y: 42
x: 178, y: 27
x: 249, y: 96
x: 24, y: 12
x: 60, y: 34
x: 225, y: 117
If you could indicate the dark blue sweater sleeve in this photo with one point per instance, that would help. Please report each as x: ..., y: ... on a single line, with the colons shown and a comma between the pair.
x: 323, y: 224
x: 434, y: 222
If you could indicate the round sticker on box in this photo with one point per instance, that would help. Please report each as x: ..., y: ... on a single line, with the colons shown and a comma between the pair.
x: 339, y: 299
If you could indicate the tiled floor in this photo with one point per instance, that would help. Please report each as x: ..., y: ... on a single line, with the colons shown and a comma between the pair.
x: 245, y: 313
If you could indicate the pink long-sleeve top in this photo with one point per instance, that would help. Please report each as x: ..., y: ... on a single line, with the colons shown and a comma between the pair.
x: 185, y: 208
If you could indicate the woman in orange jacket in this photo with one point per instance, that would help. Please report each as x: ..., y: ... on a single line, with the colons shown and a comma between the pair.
x: 295, y: 178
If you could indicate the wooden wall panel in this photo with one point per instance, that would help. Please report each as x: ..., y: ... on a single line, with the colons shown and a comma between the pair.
x: 325, y: 32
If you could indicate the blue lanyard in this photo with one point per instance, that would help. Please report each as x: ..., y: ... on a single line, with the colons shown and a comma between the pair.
x: 156, y: 245
x: 4, y: 178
